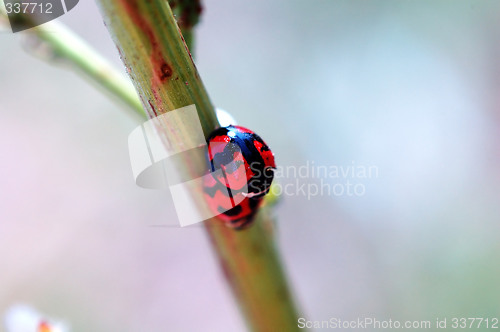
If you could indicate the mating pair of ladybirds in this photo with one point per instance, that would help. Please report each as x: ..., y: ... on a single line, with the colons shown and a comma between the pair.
x: 242, y: 169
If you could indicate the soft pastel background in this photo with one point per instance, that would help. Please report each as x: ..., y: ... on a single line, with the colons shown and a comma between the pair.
x: 411, y: 87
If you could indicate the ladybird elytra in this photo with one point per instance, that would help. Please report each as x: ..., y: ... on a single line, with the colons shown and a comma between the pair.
x: 242, y: 168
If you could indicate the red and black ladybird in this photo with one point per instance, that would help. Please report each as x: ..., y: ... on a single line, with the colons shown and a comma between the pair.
x: 242, y: 169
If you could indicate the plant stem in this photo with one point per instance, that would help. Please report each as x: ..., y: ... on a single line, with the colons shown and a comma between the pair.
x: 187, y: 13
x: 163, y: 72
x: 248, y: 258
x: 55, y: 43
x: 66, y: 45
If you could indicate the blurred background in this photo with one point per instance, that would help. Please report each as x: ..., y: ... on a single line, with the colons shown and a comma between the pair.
x: 411, y: 88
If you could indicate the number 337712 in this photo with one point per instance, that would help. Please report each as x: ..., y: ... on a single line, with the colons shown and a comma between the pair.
x: 474, y: 323
x: 28, y: 8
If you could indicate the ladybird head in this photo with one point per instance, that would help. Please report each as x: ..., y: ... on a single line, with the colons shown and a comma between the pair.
x: 244, y: 158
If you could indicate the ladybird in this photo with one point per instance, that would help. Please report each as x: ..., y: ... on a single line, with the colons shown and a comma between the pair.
x: 242, y: 170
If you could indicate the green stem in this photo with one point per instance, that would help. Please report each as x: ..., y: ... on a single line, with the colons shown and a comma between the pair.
x: 187, y: 13
x: 62, y: 46
x: 68, y: 46
x: 161, y: 68
x: 249, y: 259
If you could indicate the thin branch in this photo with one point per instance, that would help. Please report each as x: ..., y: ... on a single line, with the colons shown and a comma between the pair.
x: 249, y: 260
x: 164, y: 74
x: 187, y: 13
x: 54, y: 43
